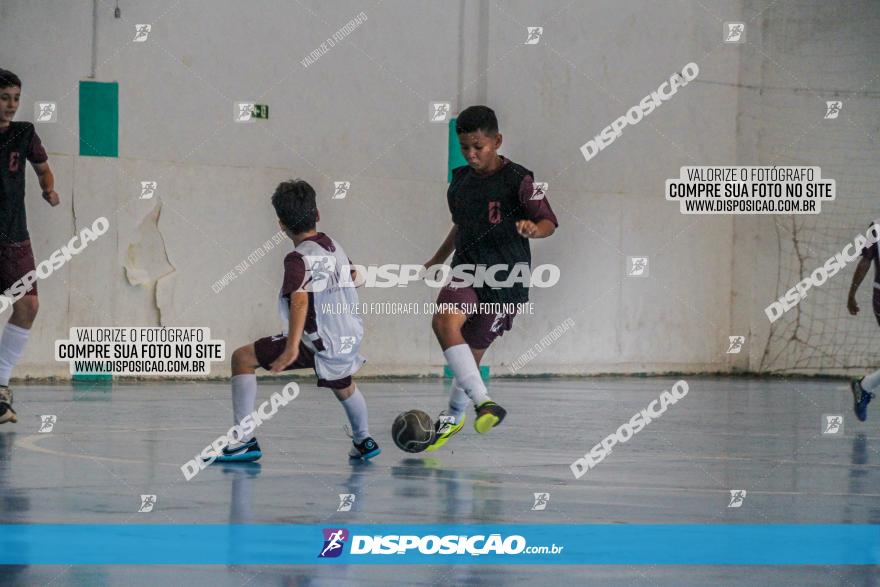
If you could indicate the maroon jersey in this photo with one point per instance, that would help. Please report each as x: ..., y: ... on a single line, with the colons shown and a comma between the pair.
x: 485, y: 208
x: 18, y: 143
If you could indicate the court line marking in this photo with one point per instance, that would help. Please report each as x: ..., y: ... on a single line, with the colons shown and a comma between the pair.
x: 30, y: 443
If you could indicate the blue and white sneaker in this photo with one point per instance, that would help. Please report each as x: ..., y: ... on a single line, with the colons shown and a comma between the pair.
x: 247, y: 452
x: 364, y: 450
x: 861, y: 399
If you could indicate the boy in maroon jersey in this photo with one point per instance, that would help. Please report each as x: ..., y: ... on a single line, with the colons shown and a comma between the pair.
x: 18, y: 142
x: 495, y: 209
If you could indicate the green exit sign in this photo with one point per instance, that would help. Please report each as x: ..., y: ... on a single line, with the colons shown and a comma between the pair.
x: 260, y: 111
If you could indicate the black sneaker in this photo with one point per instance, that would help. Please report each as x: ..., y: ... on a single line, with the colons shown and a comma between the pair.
x: 364, y: 450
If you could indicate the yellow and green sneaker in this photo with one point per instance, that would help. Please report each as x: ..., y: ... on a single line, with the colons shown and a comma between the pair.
x: 446, y: 429
x: 489, y: 415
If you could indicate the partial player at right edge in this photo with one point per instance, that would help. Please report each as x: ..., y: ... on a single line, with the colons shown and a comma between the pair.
x: 863, y: 390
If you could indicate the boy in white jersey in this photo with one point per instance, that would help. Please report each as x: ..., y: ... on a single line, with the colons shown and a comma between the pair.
x: 316, y: 276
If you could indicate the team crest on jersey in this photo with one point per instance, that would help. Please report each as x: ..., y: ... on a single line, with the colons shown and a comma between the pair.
x: 494, y: 212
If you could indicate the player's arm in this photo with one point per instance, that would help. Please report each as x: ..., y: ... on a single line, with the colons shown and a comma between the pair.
x: 541, y: 221
x: 47, y: 182
x: 299, y: 305
x: 445, y: 249
x: 861, y: 270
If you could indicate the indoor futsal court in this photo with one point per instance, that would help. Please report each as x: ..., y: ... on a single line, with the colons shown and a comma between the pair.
x: 439, y: 293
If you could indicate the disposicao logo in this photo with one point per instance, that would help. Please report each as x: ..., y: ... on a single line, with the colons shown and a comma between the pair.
x: 334, y: 540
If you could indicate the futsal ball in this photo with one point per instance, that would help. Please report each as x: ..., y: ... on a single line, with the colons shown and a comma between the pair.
x: 413, y: 431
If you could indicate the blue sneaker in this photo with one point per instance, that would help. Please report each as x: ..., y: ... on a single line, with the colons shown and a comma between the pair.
x: 241, y: 453
x: 861, y: 399
x: 364, y: 450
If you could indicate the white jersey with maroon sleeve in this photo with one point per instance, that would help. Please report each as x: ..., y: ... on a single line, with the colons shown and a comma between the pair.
x: 333, y: 329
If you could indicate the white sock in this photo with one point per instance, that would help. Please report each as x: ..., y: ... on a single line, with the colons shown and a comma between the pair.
x: 11, y: 346
x: 463, y: 365
x: 871, y: 382
x: 458, y: 401
x: 356, y: 410
x: 244, y: 396
x: 240, y: 506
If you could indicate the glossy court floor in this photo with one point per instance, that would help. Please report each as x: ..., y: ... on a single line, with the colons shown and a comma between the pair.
x: 110, y: 444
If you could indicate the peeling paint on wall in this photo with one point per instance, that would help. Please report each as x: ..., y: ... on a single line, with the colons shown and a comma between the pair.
x: 146, y: 259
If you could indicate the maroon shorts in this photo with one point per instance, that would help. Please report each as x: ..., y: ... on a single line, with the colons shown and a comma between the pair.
x: 16, y: 260
x: 480, y: 328
x: 270, y: 348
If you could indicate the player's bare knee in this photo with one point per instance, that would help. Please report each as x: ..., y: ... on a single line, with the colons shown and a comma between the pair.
x: 445, y: 326
x: 437, y: 323
x: 243, y: 360
x: 449, y: 335
x: 344, y: 393
x: 24, y: 311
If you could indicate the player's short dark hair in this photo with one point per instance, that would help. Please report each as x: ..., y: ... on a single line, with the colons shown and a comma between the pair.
x: 9, y: 79
x: 294, y: 202
x: 477, y: 118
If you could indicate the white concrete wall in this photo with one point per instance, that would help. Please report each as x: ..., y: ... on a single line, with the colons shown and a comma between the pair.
x: 360, y: 114
x: 801, y: 55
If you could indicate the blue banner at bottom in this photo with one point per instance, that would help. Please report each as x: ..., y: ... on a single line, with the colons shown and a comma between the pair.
x: 692, y: 544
